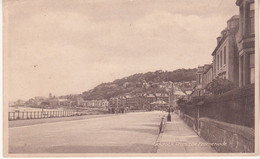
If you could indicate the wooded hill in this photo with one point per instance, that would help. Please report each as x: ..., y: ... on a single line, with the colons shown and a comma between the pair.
x: 139, y: 83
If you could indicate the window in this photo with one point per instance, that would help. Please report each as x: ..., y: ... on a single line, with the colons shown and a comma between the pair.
x: 242, y: 70
x: 225, y: 55
x: 217, y: 62
x: 251, y: 19
x: 214, y: 65
x: 199, y: 78
x: 252, y: 67
x: 220, y: 62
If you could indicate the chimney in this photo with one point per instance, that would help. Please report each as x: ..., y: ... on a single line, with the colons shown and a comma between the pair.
x: 223, y: 33
x: 233, y: 22
x: 218, y: 39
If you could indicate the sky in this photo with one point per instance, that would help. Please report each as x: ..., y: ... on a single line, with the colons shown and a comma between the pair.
x: 68, y: 47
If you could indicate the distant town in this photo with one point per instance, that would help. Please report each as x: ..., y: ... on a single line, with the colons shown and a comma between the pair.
x: 127, y: 101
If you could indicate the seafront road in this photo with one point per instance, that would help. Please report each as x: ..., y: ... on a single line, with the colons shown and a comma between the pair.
x: 123, y: 133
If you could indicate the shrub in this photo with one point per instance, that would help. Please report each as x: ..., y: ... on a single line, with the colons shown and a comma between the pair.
x: 219, y: 86
x: 181, y: 101
x: 196, y: 99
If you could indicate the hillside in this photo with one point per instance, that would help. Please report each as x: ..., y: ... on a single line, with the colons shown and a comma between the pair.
x: 139, y: 83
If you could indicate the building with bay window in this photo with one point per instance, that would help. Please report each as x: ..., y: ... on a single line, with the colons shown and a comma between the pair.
x: 246, y: 42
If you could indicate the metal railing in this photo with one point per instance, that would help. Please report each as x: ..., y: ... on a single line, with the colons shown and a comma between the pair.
x: 17, y: 115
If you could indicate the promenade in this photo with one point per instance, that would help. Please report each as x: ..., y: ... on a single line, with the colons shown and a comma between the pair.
x: 136, y: 132
x: 178, y: 137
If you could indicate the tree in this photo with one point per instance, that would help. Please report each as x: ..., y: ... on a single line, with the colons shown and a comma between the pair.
x: 181, y: 101
x: 149, y: 81
x: 219, y: 86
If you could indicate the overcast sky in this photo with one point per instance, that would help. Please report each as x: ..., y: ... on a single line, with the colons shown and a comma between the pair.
x: 70, y: 46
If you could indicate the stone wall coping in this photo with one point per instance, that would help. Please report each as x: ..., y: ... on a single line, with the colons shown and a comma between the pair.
x: 189, y: 117
x: 238, y: 129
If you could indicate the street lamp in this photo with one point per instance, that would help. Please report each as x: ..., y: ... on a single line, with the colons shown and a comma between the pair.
x: 169, y: 118
x: 169, y: 90
x: 117, y: 111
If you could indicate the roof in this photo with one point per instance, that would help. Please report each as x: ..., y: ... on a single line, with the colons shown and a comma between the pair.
x: 188, y: 92
x: 219, y: 44
x: 128, y: 96
x: 159, y: 102
x: 62, y: 100
x: 150, y: 95
x: 180, y: 93
x: 200, y: 69
x: 238, y: 2
x: 161, y: 95
x: 207, y: 67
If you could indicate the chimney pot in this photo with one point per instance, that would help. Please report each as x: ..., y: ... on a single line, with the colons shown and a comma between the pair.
x: 218, y: 39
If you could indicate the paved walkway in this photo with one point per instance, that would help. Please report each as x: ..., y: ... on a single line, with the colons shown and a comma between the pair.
x: 178, y: 137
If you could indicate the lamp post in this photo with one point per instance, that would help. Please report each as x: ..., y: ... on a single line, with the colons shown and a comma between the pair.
x: 169, y: 118
x: 116, y: 105
x: 170, y: 90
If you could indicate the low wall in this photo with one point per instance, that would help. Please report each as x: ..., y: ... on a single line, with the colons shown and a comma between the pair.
x: 235, y: 107
x: 190, y: 121
x: 234, y: 138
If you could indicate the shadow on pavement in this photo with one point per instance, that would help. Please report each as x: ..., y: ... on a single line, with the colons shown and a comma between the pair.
x: 135, y: 148
x: 149, y: 131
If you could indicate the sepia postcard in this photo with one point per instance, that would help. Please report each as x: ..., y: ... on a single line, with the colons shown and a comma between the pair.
x: 130, y: 78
